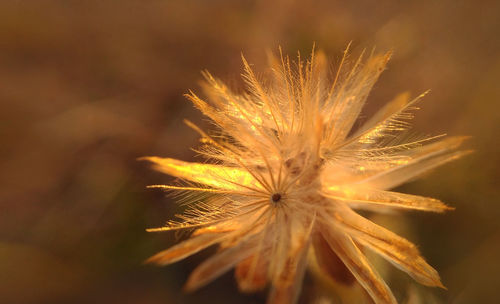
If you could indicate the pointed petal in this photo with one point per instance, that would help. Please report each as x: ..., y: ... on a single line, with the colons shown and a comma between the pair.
x: 251, y: 273
x: 186, y: 248
x: 422, y: 160
x: 231, y: 112
x: 287, y: 283
x: 380, y: 200
x: 281, y: 246
x: 400, y: 175
x: 286, y: 288
x: 395, y: 249
x: 351, y: 96
x: 216, y: 176
x: 269, y: 105
x: 223, y: 226
x: 392, y: 118
x: 397, y: 105
x: 389, y: 166
x: 359, y: 266
x: 220, y: 263
x: 290, y: 293
x: 329, y: 263
x: 239, y: 117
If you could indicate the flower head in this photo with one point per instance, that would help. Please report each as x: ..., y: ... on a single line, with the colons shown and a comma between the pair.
x: 286, y: 171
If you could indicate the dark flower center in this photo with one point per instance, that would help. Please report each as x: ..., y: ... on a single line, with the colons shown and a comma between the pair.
x: 276, y: 197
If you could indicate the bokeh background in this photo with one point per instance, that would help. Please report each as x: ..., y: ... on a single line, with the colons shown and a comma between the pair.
x: 87, y: 87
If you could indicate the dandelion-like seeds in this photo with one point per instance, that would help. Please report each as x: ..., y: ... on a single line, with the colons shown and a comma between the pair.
x: 287, y: 170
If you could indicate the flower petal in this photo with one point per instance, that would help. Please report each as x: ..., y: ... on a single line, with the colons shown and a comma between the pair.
x: 287, y: 286
x: 423, y: 159
x: 219, y: 263
x: 356, y: 262
x: 289, y: 293
x: 282, y: 245
x: 376, y: 123
x: 329, y: 263
x: 395, y: 249
x: 216, y: 176
x: 186, y: 248
x: 351, y: 96
x: 380, y: 200
x: 251, y: 273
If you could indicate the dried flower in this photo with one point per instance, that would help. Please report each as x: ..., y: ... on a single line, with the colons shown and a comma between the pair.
x: 288, y: 168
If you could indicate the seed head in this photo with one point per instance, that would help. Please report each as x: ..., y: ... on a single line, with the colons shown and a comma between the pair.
x: 286, y: 169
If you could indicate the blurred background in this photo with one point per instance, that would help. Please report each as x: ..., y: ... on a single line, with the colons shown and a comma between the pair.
x: 87, y: 87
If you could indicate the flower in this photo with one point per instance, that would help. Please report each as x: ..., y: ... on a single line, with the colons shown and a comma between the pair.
x: 287, y: 170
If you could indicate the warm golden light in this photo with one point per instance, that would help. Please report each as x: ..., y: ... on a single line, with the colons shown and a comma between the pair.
x: 288, y: 168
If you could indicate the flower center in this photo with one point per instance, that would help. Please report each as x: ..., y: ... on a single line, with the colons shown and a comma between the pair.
x: 276, y: 197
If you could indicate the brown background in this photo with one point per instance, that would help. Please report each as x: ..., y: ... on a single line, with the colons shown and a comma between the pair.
x: 86, y: 87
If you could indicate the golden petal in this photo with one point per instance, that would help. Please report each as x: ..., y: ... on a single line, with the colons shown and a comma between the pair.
x: 186, y: 248
x: 251, y: 273
x: 329, y: 263
x: 359, y: 266
x: 395, y: 249
x: 397, y: 105
x: 281, y: 245
x: 380, y: 200
x: 286, y: 285
x: 424, y: 159
x: 216, y: 176
x: 287, y: 289
x: 220, y: 263
x: 351, y: 96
